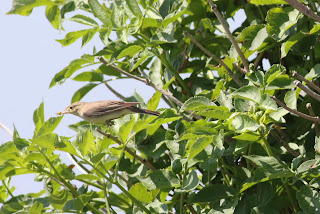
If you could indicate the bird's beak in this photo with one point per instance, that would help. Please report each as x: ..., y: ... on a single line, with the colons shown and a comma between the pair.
x: 62, y: 113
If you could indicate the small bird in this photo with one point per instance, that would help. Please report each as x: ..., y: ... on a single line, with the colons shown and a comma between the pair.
x: 104, y: 111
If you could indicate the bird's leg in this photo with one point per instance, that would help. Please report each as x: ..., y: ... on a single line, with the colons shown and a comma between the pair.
x: 110, y: 123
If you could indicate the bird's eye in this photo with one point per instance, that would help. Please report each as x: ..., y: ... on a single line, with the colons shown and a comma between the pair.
x: 70, y: 108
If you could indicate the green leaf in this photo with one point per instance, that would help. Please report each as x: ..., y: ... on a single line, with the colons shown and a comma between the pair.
x: 268, y: 168
x: 242, y: 123
x: 177, y: 12
x: 280, y: 20
x: 83, y: 142
x: 73, y: 66
x: 59, y: 199
x: 253, y: 36
x: 281, y: 82
x: 130, y: 51
x: 104, y: 34
x: 154, y: 101
x: 213, y: 193
x: 249, y: 93
x: 160, y: 179
x: 162, y: 37
x: 89, y: 76
x: 126, y: 129
x: 47, y: 140
x: 274, y: 71
x: 38, y: 116
x: 82, y: 92
x: 134, y: 7
x: 53, y: 16
x: 49, y: 126
x: 155, y: 73
x: 267, y: 2
x: 268, y: 103
x: 308, y: 199
x: 24, y: 7
x: 196, y: 104
x: 140, y: 192
x: 88, y: 36
x: 71, y: 37
x: 190, y: 183
x: 100, y: 12
x: 36, y: 208
x: 199, y: 145
x: 248, y: 136
x: 290, y: 99
x: 84, y: 20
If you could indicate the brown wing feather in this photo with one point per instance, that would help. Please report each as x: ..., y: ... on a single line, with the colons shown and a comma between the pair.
x: 106, y: 107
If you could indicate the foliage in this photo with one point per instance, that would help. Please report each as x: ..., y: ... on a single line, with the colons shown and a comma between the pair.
x: 230, y: 145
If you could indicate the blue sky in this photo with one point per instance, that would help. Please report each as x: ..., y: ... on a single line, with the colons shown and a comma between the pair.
x: 29, y: 58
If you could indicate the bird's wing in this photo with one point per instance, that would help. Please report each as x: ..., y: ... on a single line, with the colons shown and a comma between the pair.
x: 106, y: 107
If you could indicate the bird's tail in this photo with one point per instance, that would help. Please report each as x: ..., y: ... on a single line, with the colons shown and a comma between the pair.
x: 144, y: 111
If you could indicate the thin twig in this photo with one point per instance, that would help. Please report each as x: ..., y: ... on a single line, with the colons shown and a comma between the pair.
x: 142, y: 160
x: 301, y: 78
x: 307, y: 90
x: 226, y: 28
x: 305, y: 116
x: 214, y: 57
x: 309, y: 107
x: 258, y: 59
x: 120, y: 96
x: 285, y: 145
x: 146, y: 81
x: 239, y: 68
x: 303, y: 9
x: 6, y: 129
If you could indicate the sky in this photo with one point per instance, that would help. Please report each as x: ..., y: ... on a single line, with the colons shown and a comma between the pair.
x: 29, y: 59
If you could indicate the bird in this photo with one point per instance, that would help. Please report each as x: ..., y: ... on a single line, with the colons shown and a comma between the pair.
x: 100, y: 112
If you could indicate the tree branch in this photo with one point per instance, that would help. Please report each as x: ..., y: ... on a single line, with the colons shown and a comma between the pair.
x: 305, y: 116
x: 214, y: 57
x: 120, y: 96
x: 309, y: 107
x: 142, y: 160
x: 303, y: 9
x: 301, y: 78
x: 226, y: 28
x: 258, y: 59
x: 307, y: 90
x: 6, y: 129
x: 146, y: 81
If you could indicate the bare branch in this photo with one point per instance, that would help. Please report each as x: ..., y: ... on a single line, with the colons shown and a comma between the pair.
x: 142, y: 160
x: 120, y: 96
x: 214, y: 57
x: 146, y: 81
x: 6, y: 129
x: 309, y: 107
x: 303, y: 9
x: 307, y: 90
x: 239, y: 68
x: 226, y: 28
x: 305, y: 116
x: 258, y: 59
x: 301, y: 78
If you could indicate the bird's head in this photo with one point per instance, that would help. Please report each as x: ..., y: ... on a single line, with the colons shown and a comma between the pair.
x: 72, y: 109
